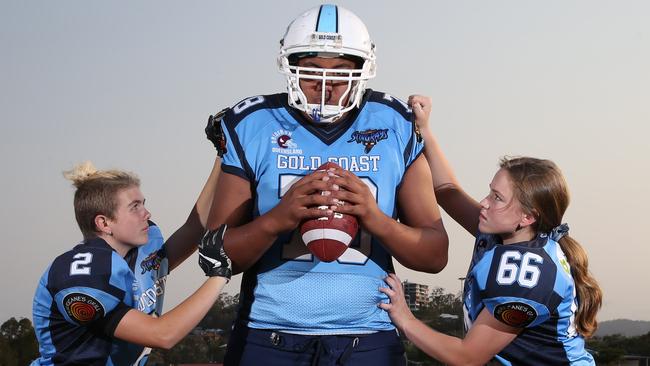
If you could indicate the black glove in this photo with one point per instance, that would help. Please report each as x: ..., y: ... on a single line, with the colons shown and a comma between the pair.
x: 215, y: 134
x: 212, y: 258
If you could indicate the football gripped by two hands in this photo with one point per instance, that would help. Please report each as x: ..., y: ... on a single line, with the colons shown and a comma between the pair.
x: 329, y: 237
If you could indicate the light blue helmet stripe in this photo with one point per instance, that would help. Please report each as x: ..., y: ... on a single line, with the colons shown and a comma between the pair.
x: 327, y: 19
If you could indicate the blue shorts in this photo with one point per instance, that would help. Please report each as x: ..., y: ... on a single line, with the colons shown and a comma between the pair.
x: 252, y: 347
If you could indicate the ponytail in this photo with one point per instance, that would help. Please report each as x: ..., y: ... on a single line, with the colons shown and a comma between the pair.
x: 589, y: 294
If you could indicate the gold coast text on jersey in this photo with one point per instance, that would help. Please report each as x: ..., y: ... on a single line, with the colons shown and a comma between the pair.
x: 363, y: 163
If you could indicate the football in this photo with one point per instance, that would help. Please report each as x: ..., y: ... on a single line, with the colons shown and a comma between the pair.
x: 328, y: 237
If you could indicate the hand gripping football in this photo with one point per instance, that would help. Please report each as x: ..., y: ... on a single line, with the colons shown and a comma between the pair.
x: 328, y: 237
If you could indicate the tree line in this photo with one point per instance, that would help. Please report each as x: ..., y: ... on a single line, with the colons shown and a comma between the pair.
x: 207, y: 343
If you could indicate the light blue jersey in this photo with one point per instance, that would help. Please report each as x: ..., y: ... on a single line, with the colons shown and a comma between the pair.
x: 85, y: 292
x: 272, y: 146
x: 527, y: 285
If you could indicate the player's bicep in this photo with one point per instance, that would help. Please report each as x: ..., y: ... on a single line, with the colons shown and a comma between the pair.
x: 232, y: 202
x: 415, y: 199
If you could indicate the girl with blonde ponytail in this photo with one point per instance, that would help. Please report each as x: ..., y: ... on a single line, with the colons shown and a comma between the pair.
x: 100, y: 303
x: 529, y: 298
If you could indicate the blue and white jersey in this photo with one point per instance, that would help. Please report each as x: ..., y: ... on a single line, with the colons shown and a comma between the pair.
x: 85, y: 292
x: 527, y: 285
x: 272, y: 146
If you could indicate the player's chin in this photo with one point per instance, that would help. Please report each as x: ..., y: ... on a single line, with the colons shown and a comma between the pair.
x: 141, y: 240
x: 485, y: 228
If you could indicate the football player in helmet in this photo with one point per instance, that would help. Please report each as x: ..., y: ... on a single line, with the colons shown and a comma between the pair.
x: 529, y: 298
x: 294, y: 308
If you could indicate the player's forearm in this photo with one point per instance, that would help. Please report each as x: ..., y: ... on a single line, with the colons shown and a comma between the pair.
x: 246, y: 244
x: 441, y: 171
x: 164, y: 332
x: 204, y: 202
x: 178, y: 322
x: 418, y: 248
x: 448, y: 191
x: 182, y: 243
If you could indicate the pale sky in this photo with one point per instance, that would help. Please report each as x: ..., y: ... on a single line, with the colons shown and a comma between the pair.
x: 130, y: 85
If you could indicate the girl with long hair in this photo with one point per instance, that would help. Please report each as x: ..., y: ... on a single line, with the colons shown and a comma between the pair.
x: 529, y: 298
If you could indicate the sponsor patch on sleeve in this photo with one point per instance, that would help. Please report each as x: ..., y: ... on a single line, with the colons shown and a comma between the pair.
x: 83, y: 308
x: 515, y: 314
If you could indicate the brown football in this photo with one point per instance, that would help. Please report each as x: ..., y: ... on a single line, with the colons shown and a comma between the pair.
x: 328, y: 237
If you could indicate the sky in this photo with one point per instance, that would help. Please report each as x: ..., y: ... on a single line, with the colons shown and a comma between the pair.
x: 130, y: 85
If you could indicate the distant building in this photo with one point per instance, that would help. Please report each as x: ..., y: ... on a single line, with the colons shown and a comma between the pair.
x: 417, y: 295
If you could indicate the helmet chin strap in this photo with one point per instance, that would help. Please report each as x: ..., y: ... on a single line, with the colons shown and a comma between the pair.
x: 319, y: 113
x: 328, y: 113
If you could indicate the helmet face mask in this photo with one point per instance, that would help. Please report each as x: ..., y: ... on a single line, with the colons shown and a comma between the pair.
x: 327, y: 31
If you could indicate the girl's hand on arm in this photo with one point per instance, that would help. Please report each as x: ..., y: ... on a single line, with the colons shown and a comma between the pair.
x: 485, y: 339
x: 421, y: 106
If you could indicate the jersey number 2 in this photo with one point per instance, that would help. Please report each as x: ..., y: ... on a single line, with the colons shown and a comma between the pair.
x: 81, y: 265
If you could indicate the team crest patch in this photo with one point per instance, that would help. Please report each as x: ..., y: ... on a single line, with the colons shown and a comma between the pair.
x: 369, y: 138
x: 515, y: 314
x: 83, y: 308
x: 152, y: 262
x: 283, y: 142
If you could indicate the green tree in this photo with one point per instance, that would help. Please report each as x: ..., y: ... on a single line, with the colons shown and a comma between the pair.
x: 608, y: 355
x: 7, y: 355
x: 437, y: 310
x: 222, y: 314
x: 18, y: 345
x: 439, y: 303
x: 610, y: 349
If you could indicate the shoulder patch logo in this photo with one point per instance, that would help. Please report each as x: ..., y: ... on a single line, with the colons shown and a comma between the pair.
x: 283, y: 142
x: 369, y: 138
x: 152, y: 262
x: 515, y: 314
x: 83, y: 308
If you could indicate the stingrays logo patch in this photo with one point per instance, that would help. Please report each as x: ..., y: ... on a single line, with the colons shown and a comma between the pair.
x: 515, y: 314
x: 83, y: 308
x: 152, y: 262
x: 369, y: 138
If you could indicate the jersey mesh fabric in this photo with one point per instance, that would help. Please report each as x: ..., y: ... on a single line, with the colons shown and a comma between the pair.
x: 271, y: 146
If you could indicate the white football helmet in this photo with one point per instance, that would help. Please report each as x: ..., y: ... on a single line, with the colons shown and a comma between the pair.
x: 327, y: 31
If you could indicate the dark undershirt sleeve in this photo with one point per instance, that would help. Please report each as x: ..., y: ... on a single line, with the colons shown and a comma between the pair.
x: 109, y: 323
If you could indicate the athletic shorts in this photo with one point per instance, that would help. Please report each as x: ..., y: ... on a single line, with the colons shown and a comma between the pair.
x: 253, y: 347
